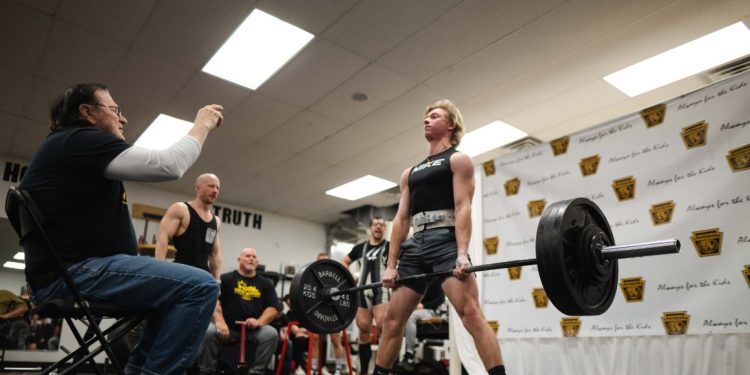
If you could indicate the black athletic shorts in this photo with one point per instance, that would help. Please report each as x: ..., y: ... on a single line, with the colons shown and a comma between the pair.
x: 430, y: 250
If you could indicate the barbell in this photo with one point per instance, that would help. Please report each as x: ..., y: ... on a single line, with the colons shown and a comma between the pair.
x: 576, y: 258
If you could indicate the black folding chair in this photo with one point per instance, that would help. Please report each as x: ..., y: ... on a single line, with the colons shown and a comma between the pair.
x: 28, y: 223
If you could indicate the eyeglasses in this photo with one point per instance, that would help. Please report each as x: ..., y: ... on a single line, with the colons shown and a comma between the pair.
x: 114, y: 108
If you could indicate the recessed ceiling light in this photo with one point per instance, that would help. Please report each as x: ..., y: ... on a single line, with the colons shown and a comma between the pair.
x: 19, y: 256
x: 257, y: 49
x: 163, y: 132
x: 360, y: 188
x: 359, y: 97
x: 489, y: 137
x: 683, y: 61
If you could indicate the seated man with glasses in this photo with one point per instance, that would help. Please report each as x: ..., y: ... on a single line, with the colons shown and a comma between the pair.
x: 76, y: 178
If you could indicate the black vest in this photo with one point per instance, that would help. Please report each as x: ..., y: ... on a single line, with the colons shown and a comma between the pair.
x: 196, y: 244
x: 431, y: 183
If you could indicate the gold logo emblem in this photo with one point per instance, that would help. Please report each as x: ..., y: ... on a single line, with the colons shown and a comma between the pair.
x: 512, y: 186
x: 536, y: 207
x: 514, y: 273
x: 653, y: 116
x: 707, y: 242
x: 540, y: 298
x: 489, y: 168
x: 589, y: 165
x: 661, y: 213
x: 675, y: 322
x: 491, y: 245
x: 694, y: 135
x: 570, y: 326
x: 746, y: 272
x: 559, y: 145
x: 624, y: 188
x: 633, y: 288
x: 495, y: 325
x: 739, y: 158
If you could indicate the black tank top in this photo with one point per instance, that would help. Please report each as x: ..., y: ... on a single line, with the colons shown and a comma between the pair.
x: 196, y: 244
x: 431, y: 183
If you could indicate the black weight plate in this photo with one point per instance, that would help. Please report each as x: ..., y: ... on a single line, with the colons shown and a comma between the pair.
x: 576, y: 279
x: 315, y: 311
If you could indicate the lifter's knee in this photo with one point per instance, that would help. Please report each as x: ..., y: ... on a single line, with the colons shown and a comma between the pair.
x: 472, y: 317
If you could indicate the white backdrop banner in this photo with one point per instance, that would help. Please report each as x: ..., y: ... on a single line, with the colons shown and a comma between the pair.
x: 680, y: 170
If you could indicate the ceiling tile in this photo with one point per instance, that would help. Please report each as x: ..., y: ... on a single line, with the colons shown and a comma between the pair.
x: 204, y: 89
x: 311, y: 16
x: 258, y: 115
x: 401, y: 113
x: 379, y: 84
x: 116, y: 20
x: 189, y: 32
x: 24, y: 34
x: 373, y: 27
x: 387, y: 153
x: 42, y: 93
x: 70, y: 48
x: 597, y: 95
x: 500, y: 62
x: 317, y: 69
x: 27, y: 137
x: 146, y: 81
x: 44, y: 6
x: 14, y: 90
x: 8, y: 124
x: 466, y: 28
x: 138, y: 120
x: 341, y: 146
x: 302, y: 131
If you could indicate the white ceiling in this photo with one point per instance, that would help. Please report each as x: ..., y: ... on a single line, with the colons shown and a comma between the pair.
x: 534, y: 64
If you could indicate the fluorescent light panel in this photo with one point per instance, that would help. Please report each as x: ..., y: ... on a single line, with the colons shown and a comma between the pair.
x: 14, y: 265
x: 256, y: 50
x: 680, y: 62
x: 163, y: 132
x: 489, y: 137
x: 19, y: 256
x: 361, y: 187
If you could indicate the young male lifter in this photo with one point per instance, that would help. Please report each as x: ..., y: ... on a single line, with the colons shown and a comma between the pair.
x: 436, y: 198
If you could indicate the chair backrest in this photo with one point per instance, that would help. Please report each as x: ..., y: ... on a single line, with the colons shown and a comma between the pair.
x: 27, y: 221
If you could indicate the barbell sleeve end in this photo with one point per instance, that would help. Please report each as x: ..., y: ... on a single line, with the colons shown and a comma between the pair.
x: 642, y: 249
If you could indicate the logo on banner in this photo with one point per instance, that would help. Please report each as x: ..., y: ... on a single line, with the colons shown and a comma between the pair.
x: 589, y: 165
x: 540, y: 298
x: 746, y: 273
x: 495, y: 325
x: 675, y: 322
x: 633, y: 288
x: 559, y: 145
x: 661, y: 213
x: 491, y: 244
x: 536, y: 207
x: 653, y: 116
x: 514, y: 273
x: 512, y: 186
x: 739, y: 158
x: 707, y: 242
x: 570, y: 326
x: 624, y: 188
x: 694, y: 135
x: 489, y: 168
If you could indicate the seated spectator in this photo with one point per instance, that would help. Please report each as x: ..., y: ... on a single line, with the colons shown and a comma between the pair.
x: 245, y: 296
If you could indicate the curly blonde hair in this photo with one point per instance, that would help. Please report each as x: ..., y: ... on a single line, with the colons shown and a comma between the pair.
x: 454, y: 115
